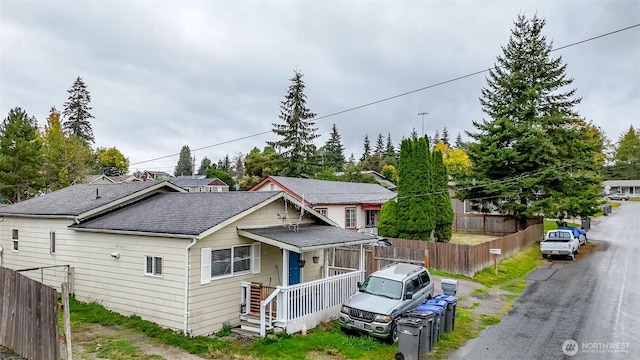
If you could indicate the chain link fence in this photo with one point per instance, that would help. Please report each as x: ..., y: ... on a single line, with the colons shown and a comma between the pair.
x: 53, y: 276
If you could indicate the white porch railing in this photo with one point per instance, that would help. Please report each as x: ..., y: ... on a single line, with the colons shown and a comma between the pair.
x: 304, y: 306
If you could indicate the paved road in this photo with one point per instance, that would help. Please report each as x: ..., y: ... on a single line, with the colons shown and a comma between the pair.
x: 594, y: 301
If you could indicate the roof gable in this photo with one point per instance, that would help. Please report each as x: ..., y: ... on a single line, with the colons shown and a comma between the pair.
x: 181, y: 214
x: 316, y: 192
x: 81, y: 199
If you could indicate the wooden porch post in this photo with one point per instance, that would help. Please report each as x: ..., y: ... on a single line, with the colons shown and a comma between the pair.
x: 285, y: 267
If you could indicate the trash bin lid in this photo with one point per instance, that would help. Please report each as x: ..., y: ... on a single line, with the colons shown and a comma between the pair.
x: 448, y: 298
x: 442, y: 303
x: 449, y: 281
x: 421, y: 313
x: 429, y: 307
x: 409, y: 321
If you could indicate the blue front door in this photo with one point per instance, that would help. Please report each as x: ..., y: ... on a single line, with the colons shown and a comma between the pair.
x: 294, y: 268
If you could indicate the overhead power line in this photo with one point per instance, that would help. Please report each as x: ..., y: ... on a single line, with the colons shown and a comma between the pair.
x: 387, y: 98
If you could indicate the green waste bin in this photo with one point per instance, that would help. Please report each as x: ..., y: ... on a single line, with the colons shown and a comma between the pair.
x: 586, y: 223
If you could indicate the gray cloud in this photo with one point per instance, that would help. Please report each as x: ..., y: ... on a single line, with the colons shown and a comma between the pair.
x: 167, y: 74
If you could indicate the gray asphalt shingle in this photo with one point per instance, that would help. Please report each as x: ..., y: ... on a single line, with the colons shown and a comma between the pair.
x: 312, y: 236
x: 335, y: 192
x: 178, y: 213
x: 74, y: 200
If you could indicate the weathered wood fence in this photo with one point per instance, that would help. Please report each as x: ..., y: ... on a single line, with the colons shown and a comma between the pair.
x: 28, y: 316
x: 453, y: 258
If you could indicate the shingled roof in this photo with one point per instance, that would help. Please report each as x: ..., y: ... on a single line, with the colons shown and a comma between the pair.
x: 75, y: 200
x: 334, y: 192
x: 187, y: 214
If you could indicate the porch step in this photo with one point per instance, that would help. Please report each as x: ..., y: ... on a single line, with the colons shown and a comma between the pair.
x: 246, y: 333
x: 251, y: 323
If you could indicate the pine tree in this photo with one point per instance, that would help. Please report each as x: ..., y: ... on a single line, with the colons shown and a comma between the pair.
x: 297, y: 132
x: 185, y: 165
x: 76, y: 112
x: 379, y: 150
x: 445, y: 136
x: 390, y: 150
x: 20, y: 157
x: 436, y: 138
x: 224, y: 164
x: 459, y: 143
x: 413, y: 135
x: 205, y: 165
x: 335, y: 150
x: 533, y: 136
x: 626, y: 157
x: 366, y: 147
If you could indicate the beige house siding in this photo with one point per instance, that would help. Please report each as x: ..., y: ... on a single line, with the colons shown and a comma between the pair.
x: 118, y: 284
x: 218, y: 302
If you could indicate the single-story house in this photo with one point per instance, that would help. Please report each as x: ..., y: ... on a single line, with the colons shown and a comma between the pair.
x: 353, y: 206
x: 192, y: 262
x: 631, y: 187
x: 200, y: 184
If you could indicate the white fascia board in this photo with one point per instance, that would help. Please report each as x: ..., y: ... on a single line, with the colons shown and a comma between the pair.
x: 269, y: 241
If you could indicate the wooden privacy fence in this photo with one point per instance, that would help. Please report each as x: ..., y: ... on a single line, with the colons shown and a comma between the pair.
x: 453, y: 258
x: 28, y: 316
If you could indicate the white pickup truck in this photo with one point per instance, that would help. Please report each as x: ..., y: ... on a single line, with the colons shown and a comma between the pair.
x: 560, y: 243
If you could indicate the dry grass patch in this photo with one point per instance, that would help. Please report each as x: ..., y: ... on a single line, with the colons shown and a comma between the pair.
x: 467, y: 238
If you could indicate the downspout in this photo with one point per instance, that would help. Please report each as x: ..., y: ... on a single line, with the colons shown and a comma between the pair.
x: 186, y: 285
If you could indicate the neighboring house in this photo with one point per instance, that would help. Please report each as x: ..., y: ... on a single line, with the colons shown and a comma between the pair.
x: 382, y: 180
x: 125, y: 178
x: 353, y: 206
x: 201, y: 184
x: 192, y: 262
x: 631, y: 187
x: 148, y: 175
x: 98, y: 179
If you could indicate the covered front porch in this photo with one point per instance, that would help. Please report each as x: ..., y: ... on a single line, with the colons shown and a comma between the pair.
x: 301, y: 302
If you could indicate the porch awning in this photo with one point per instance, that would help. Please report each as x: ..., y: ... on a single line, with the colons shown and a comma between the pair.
x: 306, y: 237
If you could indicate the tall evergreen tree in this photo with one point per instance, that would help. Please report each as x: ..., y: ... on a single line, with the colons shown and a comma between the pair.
x: 205, y: 165
x: 185, y: 165
x: 379, y: 150
x: 416, y: 218
x: 20, y: 157
x: 335, y: 150
x: 224, y: 164
x: 76, y: 112
x: 442, y: 202
x: 366, y: 148
x: 523, y: 155
x: 390, y: 150
x: 436, y: 138
x: 459, y: 143
x: 445, y: 136
x: 297, y: 132
x: 413, y: 135
x: 626, y: 157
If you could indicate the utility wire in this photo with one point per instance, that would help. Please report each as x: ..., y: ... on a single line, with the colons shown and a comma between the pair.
x: 387, y: 98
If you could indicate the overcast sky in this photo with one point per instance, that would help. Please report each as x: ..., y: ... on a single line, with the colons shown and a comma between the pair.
x: 167, y: 74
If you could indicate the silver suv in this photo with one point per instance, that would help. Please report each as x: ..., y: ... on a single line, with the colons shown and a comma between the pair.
x: 385, y: 296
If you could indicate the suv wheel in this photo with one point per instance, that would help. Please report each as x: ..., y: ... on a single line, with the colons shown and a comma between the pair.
x: 393, y: 334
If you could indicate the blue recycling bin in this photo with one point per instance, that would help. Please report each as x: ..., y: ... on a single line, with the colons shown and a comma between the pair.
x: 450, y: 312
x: 438, y: 323
x: 443, y: 304
x: 428, y: 318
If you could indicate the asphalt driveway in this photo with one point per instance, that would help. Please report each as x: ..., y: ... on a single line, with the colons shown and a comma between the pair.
x: 583, y: 309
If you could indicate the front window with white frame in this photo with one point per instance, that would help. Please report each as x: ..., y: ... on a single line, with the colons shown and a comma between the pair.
x: 153, y: 266
x: 350, y: 218
x: 14, y: 240
x: 229, y: 261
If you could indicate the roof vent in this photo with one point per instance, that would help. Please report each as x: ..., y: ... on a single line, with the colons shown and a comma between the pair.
x: 97, y: 194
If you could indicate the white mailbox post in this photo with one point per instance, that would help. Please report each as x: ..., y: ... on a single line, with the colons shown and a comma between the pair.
x: 495, y: 253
